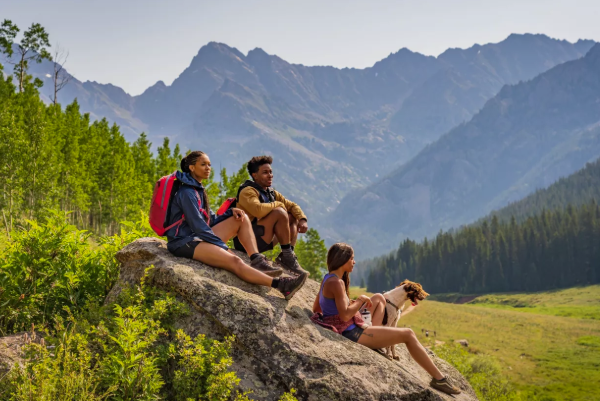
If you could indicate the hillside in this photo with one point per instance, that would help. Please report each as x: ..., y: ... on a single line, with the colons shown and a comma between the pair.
x: 577, y: 189
x: 550, y: 352
x: 526, y: 137
x: 325, y: 125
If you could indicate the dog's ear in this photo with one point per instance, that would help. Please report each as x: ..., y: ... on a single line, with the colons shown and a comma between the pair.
x: 406, y: 281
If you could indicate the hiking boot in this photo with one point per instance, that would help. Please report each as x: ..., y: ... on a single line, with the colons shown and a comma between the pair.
x: 290, y: 262
x: 444, y: 386
x: 262, y: 265
x: 288, y: 286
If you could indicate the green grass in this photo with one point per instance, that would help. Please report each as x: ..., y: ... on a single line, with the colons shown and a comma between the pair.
x: 577, y: 302
x: 548, y: 343
x: 356, y: 291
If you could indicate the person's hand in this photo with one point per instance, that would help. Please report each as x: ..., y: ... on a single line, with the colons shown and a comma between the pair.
x: 302, y: 226
x: 366, y: 300
x: 238, y: 213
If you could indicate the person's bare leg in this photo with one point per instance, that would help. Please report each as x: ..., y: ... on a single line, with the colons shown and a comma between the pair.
x: 293, y: 229
x: 377, y: 309
x: 218, y: 257
x: 381, y: 337
x: 231, y: 227
x: 276, y: 224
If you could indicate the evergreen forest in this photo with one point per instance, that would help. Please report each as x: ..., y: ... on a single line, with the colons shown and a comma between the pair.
x: 549, y: 250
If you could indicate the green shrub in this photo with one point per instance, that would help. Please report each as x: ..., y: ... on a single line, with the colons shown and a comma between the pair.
x: 67, y: 374
x: 45, y: 267
x: 203, y: 369
x: 126, y: 351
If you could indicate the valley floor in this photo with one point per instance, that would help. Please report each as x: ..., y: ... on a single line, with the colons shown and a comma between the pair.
x: 548, y: 343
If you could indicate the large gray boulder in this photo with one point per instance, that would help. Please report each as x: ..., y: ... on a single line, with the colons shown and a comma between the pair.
x: 277, y: 347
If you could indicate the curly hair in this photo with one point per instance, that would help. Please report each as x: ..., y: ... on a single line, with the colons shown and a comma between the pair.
x: 257, y: 161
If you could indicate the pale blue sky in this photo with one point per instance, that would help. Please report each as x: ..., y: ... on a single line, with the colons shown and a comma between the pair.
x: 134, y: 43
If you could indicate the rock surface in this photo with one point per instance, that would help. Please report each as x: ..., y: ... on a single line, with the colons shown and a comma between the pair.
x: 11, y: 349
x: 277, y: 347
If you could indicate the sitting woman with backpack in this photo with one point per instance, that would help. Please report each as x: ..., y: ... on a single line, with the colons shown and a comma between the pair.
x: 195, y: 232
x: 334, y: 310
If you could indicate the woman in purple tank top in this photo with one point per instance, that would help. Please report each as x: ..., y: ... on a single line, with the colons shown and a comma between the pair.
x: 333, y: 301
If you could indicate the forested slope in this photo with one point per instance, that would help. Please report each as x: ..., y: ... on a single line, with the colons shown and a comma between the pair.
x: 556, y: 249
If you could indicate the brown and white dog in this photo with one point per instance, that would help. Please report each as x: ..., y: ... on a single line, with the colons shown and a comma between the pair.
x: 394, y: 305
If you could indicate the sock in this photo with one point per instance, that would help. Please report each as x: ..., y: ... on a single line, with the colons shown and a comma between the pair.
x: 275, y: 283
x: 287, y: 247
x: 254, y: 256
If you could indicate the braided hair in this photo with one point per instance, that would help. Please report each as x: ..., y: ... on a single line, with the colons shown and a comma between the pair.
x: 337, y: 256
x: 189, y: 160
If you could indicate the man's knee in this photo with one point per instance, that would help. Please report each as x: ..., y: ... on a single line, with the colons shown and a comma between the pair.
x: 280, y: 213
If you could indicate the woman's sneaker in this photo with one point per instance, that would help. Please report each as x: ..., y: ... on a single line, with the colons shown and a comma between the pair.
x: 444, y: 386
x: 261, y: 264
x: 289, y: 261
x: 288, y: 286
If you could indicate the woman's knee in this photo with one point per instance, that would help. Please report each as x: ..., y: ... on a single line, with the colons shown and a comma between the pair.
x: 237, y: 266
x: 378, y: 298
x: 408, y: 335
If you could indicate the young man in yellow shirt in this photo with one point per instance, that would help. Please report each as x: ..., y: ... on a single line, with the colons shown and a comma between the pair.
x: 274, y: 218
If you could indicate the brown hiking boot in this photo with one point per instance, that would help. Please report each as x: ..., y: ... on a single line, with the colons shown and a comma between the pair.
x: 290, y: 262
x: 288, y: 286
x: 444, y: 386
x: 262, y: 265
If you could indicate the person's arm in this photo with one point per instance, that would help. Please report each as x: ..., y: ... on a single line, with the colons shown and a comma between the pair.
x: 317, y: 305
x: 345, y: 311
x: 188, y: 200
x: 250, y: 202
x: 291, y: 207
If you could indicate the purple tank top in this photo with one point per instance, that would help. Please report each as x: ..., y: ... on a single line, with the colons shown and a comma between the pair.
x: 327, y: 305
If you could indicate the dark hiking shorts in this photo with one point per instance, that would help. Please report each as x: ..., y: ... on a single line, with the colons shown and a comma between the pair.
x: 353, y: 334
x: 187, y: 250
x: 259, y: 231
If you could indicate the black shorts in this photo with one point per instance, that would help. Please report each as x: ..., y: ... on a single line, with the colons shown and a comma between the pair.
x: 259, y: 231
x: 187, y: 250
x: 354, y: 334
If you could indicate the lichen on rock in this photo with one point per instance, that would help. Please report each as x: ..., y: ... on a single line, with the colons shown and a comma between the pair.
x: 277, y: 347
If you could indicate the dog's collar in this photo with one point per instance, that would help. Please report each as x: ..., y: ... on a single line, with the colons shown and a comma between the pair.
x: 390, y: 302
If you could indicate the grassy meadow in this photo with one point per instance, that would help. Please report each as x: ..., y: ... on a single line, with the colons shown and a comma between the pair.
x: 548, y: 343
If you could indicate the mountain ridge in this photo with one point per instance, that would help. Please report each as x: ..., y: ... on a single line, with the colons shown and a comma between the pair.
x: 473, y: 168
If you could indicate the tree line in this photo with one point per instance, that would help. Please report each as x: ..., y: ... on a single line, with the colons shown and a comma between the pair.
x: 551, y: 249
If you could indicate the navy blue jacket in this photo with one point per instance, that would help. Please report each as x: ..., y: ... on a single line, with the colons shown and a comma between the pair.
x: 195, y: 226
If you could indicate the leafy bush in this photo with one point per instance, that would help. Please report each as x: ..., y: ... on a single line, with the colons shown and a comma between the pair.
x: 45, y: 267
x: 119, y: 352
x: 50, y: 265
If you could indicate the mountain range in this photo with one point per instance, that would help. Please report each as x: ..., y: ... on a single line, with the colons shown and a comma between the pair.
x: 332, y: 131
x: 526, y: 137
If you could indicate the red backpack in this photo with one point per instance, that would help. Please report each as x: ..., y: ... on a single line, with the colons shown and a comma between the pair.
x: 164, y: 189
x: 228, y: 204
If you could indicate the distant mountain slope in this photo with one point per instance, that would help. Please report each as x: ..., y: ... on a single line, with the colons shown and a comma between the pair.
x: 577, y: 189
x: 474, y: 75
x: 526, y: 137
x: 331, y: 130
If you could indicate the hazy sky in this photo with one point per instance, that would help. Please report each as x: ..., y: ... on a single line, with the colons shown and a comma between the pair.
x: 134, y: 43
